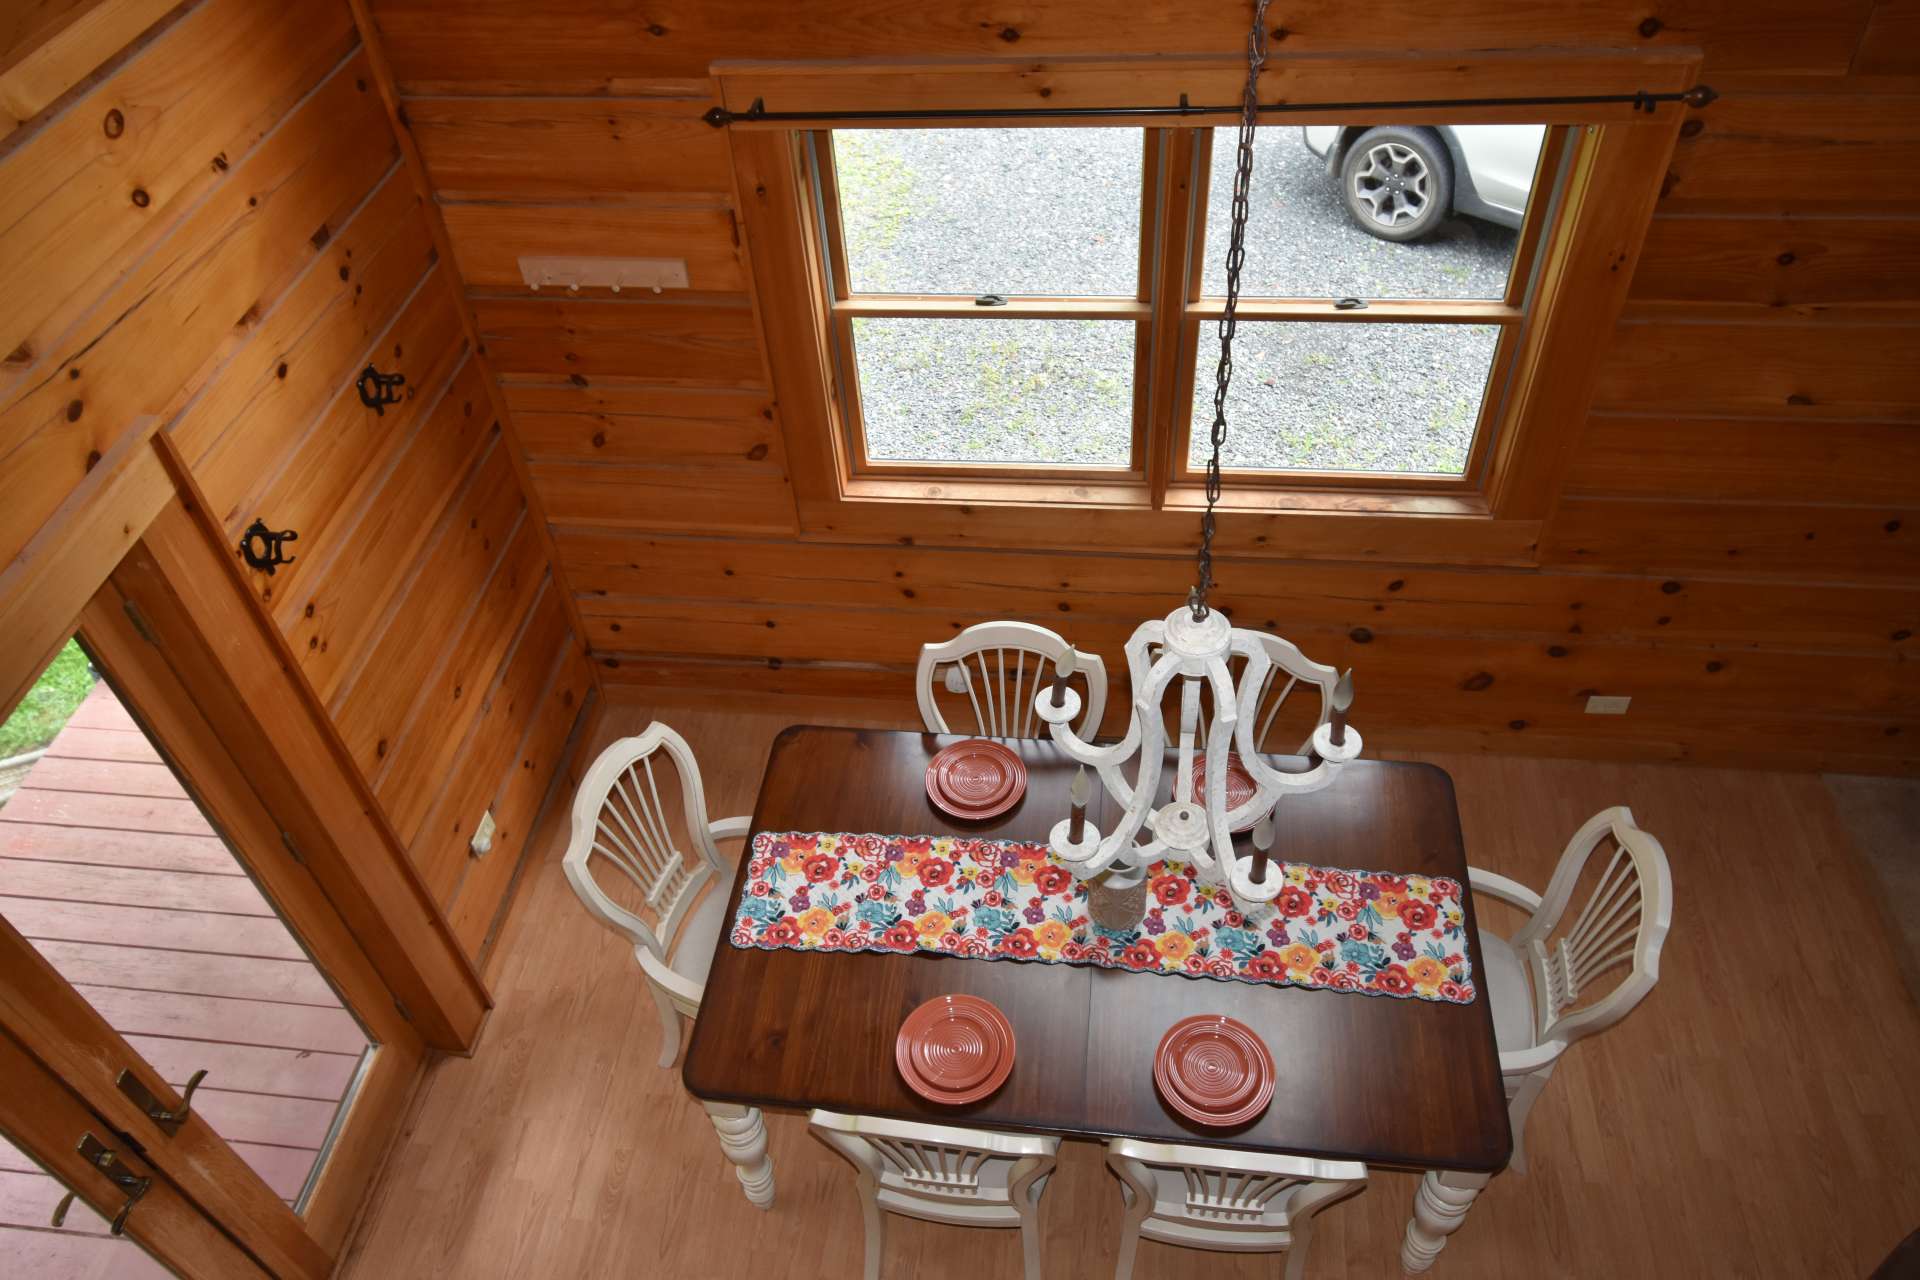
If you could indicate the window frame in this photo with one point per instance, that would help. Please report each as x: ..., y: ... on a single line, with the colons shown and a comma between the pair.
x: 1162, y: 425
x: 1614, y: 174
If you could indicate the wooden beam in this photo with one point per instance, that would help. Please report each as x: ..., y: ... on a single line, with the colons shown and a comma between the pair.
x: 43, y: 590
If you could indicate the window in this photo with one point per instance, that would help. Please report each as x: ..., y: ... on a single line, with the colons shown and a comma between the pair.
x: 1038, y: 303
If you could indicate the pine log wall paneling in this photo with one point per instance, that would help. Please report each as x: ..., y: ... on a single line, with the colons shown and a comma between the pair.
x: 1734, y: 546
x: 205, y: 217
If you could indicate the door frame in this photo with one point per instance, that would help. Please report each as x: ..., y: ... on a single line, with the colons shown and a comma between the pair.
x: 133, y: 564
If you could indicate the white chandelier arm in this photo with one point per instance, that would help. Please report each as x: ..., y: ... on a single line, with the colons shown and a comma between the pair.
x: 1151, y: 733
x: 1189, y: 723
x: 1106, y: 761
x: 1226, y: 720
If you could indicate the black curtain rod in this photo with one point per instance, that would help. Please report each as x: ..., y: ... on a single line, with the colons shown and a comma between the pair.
x: 1698, y: 96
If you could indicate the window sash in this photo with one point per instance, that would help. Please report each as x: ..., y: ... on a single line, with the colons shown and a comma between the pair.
x: 1511, y: 313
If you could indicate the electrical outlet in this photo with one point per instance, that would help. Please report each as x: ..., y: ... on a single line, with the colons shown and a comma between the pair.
x: 1607, y: 705
x: 482, y: 841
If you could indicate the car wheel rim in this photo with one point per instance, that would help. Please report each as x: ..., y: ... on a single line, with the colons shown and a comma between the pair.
x: 1392, y: 184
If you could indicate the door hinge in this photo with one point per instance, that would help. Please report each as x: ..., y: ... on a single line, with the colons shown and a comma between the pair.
x: 293, y: 850
x: 139, y: 623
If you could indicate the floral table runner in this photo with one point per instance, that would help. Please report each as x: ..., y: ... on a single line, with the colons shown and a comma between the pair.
x: 1367, y: 931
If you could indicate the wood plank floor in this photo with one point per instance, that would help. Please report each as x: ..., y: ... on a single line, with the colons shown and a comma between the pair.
x: 1757, y: 1116
x: 114, y: 875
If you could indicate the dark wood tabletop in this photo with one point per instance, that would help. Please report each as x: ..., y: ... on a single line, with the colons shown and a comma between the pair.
x: 1405, y: 1083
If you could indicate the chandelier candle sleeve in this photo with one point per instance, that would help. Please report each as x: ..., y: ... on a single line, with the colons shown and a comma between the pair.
x: 1340, y: 702
x: 1079, y: 793
x: 1062, y: 668
x: 1262, y: 846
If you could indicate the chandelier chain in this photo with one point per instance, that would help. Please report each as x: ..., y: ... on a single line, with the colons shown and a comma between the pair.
x: 1236, y: 258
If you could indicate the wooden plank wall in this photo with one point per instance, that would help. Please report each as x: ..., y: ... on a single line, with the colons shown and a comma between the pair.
x: 204, y: 217
x: 1735, y: 546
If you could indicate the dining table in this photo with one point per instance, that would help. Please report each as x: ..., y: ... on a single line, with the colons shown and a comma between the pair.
x: 1403, y: 1084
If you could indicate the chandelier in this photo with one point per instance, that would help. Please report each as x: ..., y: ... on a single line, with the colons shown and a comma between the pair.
x: 1195, y: 646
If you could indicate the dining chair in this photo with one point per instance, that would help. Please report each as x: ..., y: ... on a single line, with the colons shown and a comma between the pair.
x: 619, y: 822
x: 1000, y: 666
x: 962, y: 1177
x: 1542, y: 983
x: 1223, y: 1200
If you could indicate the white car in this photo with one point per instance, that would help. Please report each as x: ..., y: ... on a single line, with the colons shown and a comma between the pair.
x: 1401, y: 181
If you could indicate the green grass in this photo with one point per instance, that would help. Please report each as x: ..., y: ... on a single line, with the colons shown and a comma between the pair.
x: 45, y: 709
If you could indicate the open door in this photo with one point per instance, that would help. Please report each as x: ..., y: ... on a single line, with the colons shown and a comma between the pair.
x: 216, y: 1065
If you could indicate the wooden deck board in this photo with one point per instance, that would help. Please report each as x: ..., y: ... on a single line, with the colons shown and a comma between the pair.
x: 72, y: 1256
x: 159, y: 851
x: 189, y: 973
x: 132, y: 887
x: 120, y: 777
x: 118, y: 813
x: 77, y: 742
x: 116, y: 877
x: 289, y: 1073
x: 39, y: 918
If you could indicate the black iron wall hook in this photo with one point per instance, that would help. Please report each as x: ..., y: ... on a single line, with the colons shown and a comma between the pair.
x: 271, y: 550
x: 378, y: 390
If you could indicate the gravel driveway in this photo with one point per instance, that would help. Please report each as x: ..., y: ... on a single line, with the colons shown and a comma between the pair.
x: 1052, y: 211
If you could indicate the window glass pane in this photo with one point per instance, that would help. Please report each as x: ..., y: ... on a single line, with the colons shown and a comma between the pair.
x: 1346, y: 396
x: 985, y: 391
x: 1405, y: 212
x: 1008, y: 211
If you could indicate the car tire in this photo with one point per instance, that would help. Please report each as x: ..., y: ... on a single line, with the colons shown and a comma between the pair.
x: 1397, y: 182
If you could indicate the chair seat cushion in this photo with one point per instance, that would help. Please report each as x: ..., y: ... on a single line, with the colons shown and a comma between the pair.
x: 693, y: 949
x: 1504, y: 982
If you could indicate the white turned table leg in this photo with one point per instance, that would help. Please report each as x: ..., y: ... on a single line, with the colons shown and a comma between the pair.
x: 743, y: 1137
x: 1439, y: 1207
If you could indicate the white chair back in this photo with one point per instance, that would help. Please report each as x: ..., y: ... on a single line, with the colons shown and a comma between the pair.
x: 621, y: 825
x: 999, y: 666
x: 1624, y: 922
x: 1235, y: 1201
x: 962, y: 1177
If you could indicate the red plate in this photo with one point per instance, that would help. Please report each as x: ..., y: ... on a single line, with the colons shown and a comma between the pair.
x: 976, y: 779
x: 1240, y: 784
x: 1214, y: 1071
x: 954, y: 1049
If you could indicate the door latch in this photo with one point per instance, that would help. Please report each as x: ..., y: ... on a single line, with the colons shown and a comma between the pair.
x: 107, y: 1161
x: 167, y: 1119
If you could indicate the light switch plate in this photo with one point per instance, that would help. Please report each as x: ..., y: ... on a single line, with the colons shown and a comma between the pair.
x: 1607, y: 705
x: 482, y: 841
